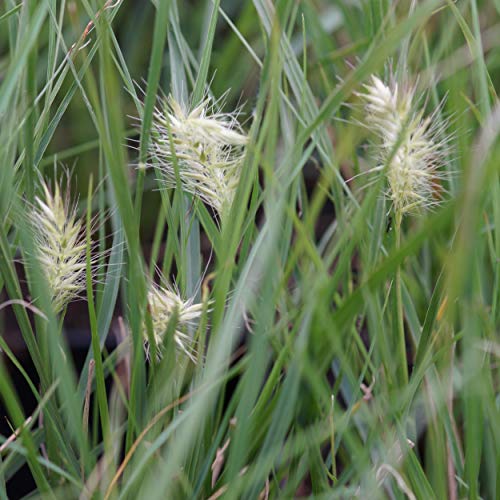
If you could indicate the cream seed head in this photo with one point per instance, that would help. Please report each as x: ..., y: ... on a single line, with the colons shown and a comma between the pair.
x: 207, y: 145
x: 163, y: 301
x: 60, y: 245
x: 409, y: 148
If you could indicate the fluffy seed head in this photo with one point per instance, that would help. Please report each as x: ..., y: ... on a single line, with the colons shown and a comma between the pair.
x: 207, y: 145
x: 409, y: 149
x: 60, y: 242
x: 163, y: 301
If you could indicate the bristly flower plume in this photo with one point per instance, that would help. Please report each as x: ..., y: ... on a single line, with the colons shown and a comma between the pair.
x: 165, y: 304
x: 207, y: 147
x: 60, y: 245
x: 410, y: 151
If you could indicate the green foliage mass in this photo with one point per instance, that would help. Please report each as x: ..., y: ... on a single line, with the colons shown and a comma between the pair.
x: 340, y: 352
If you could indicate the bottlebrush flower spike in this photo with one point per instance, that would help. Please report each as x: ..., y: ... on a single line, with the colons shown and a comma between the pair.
x: 207, y: 145
x: 162, y: 302
x: 410, y: 149
x: 60, y: 240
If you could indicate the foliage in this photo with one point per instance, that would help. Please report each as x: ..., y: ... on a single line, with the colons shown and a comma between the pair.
x: 329, y: 346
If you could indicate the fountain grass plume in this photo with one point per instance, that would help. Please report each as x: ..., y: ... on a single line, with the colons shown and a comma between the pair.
x: 411, y: 149
x: 59, y: 236
x: 164, y: 304
x: 201, y: 146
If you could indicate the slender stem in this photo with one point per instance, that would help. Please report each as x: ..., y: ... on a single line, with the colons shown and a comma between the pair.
x: 403, y: 364
x: 96, y: 347
x: 139, y: 188
x: 452, y: 482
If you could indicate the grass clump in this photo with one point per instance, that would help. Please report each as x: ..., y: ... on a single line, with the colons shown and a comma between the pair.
x: 327, y: 335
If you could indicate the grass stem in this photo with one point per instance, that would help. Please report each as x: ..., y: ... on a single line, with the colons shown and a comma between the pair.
x: 401, y: 341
